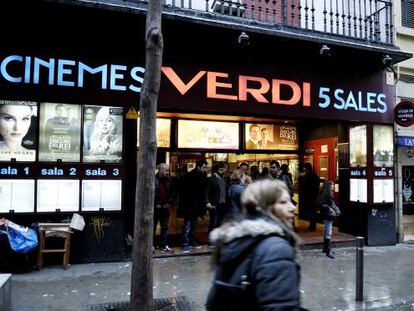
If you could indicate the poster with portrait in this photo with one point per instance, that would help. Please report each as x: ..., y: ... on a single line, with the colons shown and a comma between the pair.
x: 59, y: 132
x: 104, y: 195
x: 163, y: 133
x: 18, y: 130
x: 383, y: 145
x: 208, y: 134
x: 16, y: 195
x: 102, y: 134
x: 270, y: 137
x: 358, y: 146
x: 57, y: 194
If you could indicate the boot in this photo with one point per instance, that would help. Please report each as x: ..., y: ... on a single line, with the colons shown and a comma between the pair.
x: 324, y: 245
x: 329, y: 252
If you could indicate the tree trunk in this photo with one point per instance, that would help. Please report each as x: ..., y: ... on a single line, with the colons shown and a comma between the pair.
x: 141, y: 279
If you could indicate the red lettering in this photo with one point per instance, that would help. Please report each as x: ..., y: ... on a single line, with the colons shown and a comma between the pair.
x: 212, y: 85
x: 178, y: 83
x: 256, y: 93
x: 276, y: 92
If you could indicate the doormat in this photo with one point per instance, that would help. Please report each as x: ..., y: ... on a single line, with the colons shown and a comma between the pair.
x: 179, y: 303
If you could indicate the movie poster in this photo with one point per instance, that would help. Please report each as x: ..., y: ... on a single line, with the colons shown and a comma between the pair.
x: 102, y: 134
x: 358, y: 146
x: 59, y: 133
x: 18, y: 130
x: 16, y: 195
x: 163, y: 133
x: 101, y: 195
x: 270, y: 137
x: 57, y: 194
x: 383, y: 145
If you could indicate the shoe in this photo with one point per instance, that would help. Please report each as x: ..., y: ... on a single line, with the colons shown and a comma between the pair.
x: 195, y: 245
x: 167, y: 249
x: 186, y: 249
x: 153, y: 250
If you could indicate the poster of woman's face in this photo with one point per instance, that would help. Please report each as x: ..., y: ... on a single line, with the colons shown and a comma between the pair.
x: 102, y: 134
x: 59, y: 133
x: 18, y: 128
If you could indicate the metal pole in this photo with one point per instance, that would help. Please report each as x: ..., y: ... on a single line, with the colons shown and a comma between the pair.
x: 359, y: 268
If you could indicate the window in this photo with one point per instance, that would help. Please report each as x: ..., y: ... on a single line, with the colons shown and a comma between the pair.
x: 407, y: 13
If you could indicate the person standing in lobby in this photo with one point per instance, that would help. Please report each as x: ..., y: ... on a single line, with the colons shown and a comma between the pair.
x: 192, y: 202
x: 310, y: 191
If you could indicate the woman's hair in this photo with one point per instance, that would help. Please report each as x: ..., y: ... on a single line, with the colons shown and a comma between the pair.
x: 325, y: 194
x: 236, y: 176
x: 108, y: 143
x: 260, y: 197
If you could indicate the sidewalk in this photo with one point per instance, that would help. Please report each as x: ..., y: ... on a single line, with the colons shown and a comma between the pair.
x: 326, y: 284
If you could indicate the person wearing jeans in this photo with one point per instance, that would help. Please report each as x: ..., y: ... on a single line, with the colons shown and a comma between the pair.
x: 325, y: 201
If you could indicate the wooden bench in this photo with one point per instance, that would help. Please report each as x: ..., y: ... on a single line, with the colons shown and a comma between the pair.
x: 60, y: 230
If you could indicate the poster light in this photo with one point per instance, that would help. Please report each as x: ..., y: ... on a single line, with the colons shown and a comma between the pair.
x: 16, y: 196
x: 59, y: 132
x: 208, y: 134
x: 270, y: 137
x: 163, y: 133
x: 18, y: 130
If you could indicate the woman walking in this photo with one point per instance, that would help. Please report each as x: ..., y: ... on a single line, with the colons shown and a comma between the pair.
x: 255, y: 256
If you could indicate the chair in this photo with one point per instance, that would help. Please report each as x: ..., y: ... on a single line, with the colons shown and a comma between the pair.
x: 60, y: 230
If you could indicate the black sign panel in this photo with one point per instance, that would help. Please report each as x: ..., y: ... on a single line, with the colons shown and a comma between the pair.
x: 382, y: 172
x: 358, y: 172
x: 100, y: 171
x: 16, y: 170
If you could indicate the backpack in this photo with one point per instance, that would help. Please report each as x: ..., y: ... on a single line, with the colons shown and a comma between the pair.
x: 232, y: 289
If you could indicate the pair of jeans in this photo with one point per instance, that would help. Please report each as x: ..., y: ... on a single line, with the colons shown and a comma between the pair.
x: 189, y: 230
x: 216, y: 216
x: 162, y: 215
x: 327, y: 230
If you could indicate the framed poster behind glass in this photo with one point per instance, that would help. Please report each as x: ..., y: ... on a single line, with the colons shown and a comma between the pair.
x: 383, y: 190
x: 358, y: 190
x: 16, y: 195
x: 163, y: 133
x: 59, y: 132
x: 101, y: 195
x: 358, y: 146
x: 18, y: 130
x: 57, y: 194
x: 270, y: 137
x: 383, y: 145
x: 102, y: 134
x: 208, y: 134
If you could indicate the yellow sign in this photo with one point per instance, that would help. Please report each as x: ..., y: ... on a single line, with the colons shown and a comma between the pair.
x: 132, y: 113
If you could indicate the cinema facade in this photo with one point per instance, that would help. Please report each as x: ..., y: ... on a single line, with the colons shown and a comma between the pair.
x: 335, y: 110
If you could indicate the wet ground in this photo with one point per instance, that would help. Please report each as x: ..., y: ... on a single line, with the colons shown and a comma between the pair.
x: 326, y: 284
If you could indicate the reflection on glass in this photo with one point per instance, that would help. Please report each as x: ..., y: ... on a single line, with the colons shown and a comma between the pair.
x: 59, y: 137
x: 208, y: 134
x: 101, y: 194
x: 358, y: 146
x: 18, y: 130
x: 383, y: 145
x: 102, y: 134
x: 383, y: 190
x: 270, y: 137
x: 358, y: 190
x: 55, y: 194
x: 163, y: 133
x: 17, y: 195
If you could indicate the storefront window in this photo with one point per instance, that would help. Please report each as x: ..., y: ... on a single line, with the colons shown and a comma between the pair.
x: 208, y: 134
x: 383, y: 146
x: 163, y: 133
x: 18, y: 130
x: 59, y: 132
x: 102, y: 134
x: 358, y: 146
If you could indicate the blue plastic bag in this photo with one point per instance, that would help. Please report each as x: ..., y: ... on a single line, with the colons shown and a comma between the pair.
x: 22, y: 240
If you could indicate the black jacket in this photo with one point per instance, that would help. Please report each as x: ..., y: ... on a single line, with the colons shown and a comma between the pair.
x: 257, y: 252
x: 169, y: 187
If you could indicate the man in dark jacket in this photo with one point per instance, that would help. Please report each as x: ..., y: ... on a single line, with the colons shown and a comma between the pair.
x: 310, y: 191
x: 275, y: 172
x: 217, y: 196
x: 192, y: 202
x: 163, y: 199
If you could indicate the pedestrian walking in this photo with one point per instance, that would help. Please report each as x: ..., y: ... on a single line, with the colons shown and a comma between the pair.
x: 238, y: 182
x: 255, y: 256
x: 328, y: 211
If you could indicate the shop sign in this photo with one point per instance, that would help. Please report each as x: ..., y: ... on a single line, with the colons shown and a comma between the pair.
x: 405, y: 141
x: 404, y: 113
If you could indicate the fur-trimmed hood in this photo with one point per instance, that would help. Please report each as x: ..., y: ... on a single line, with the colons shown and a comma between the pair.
x: 233, y: 240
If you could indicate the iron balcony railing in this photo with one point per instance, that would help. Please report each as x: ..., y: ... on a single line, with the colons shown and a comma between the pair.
x: 366, y: 20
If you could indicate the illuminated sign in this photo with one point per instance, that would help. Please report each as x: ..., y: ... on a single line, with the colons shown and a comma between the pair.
x: 404, y: 113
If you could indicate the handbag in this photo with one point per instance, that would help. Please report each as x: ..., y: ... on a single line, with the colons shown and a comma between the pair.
x: 22, y: 240
x: 334, y: 210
